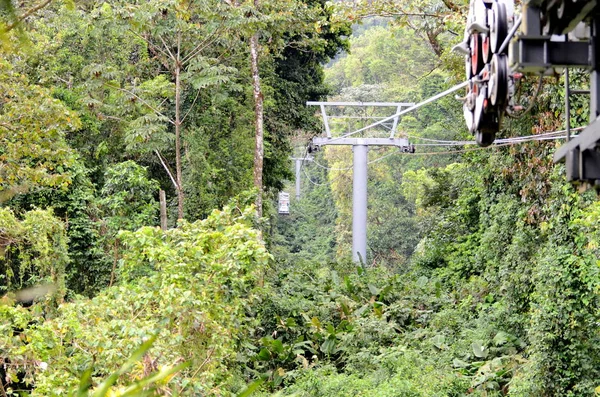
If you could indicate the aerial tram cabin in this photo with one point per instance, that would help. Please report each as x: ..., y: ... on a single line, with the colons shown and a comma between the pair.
x: 284, y: 203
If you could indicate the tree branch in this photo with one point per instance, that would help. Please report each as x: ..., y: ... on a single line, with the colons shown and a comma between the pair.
x: 451, y: 6
x: 202, y: 45
x: 155, y: 47
x: 141, y: 100
x: 400, y: 14
x: 192, y: 106
x: 166, y: 167
x: 167, y: 48
x: 2, y: 388
x: 8, y: 127
x: 431, y: 71
x: 27, y: 14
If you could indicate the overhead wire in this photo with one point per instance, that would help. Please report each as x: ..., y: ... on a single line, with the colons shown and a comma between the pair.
x: 525, y: 138
x: 445, y: 143
x: 551, y: 135
x: 326, y: 183
x: 330, y: 168
x: 310, y: 179
x: 434, y: 98
x: 402, y: 112
x: 438, y: 153
x: 499, y: 143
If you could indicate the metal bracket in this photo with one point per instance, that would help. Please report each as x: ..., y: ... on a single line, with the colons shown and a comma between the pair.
x: 583, y: 166
x: 581, y: 155
x: 584, y: 141
x: 538, y: 54
x: 398, y: 142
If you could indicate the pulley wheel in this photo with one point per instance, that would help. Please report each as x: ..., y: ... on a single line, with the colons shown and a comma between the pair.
x: 486, y: 121
x: 478, y: 112
x: 489, y: 123
x: 554, y: 24
x: 476, y: 54
x: 485, y: 139
x: 485, y: 47
x: 561, y: 8
x: 498, y: 27
x: 498, y: 86
x: 567, y: 10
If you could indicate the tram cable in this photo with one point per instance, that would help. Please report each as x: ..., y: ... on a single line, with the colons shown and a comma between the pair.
x: 500, y: 143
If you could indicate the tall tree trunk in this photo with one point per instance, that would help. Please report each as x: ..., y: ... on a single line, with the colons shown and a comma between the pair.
x: 258, y: 121
x: 163, y: 209
x: 178, y: 130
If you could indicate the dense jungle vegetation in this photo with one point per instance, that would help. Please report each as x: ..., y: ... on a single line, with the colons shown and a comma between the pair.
x: 482, y: 276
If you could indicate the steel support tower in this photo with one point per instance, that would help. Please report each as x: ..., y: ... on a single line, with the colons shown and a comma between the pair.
x: 299, y: 161
x: 360, y: 149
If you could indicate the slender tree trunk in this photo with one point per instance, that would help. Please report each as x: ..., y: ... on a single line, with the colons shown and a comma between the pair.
x: 115, y: 261
x: 163, y: 210
x: 258, y: 115
x: 178, y: 131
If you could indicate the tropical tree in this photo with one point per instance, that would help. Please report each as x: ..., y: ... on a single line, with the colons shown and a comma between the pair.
x: 177, y: 36
x: 33, y: 125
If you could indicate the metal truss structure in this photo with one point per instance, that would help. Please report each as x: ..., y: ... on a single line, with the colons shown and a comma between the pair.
x: 371, y: 135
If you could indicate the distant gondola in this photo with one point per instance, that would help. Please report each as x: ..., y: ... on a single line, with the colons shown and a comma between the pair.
x: 284, y: 203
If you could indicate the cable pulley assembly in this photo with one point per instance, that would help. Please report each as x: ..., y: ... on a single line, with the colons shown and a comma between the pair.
x: 491, y: 85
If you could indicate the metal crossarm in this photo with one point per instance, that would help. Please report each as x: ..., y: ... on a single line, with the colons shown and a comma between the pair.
x: 398, y: 142
x: 398, y: 107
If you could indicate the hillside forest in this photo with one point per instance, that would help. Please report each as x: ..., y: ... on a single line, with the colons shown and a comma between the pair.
x: 143, y: 145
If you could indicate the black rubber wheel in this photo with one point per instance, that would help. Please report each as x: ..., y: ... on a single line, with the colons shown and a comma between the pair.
x: 498, y: 27
x: 485, y: 121
x: 561, y: 9
x: 478, y: 112
x: 554, y: 24
x: 485, y: 139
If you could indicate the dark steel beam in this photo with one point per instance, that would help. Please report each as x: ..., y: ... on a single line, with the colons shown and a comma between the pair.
x: 539, y: 54
x: 584, y: 141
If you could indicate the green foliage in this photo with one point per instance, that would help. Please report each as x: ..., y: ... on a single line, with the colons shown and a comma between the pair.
x: 308, y: 232
x: 142, y: 387
x: 34, y: 250
x: 193, y: 287
x: 374, y: 54
x: 539, y: 280
x: 340, y: 330
x: 33, y: 149
x: 128, y: 198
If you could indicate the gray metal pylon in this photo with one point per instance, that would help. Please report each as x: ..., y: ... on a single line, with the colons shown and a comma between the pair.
x: 299, y: 161
x: 360, y: 148
x: 298, y: 167
x: 359, y: 203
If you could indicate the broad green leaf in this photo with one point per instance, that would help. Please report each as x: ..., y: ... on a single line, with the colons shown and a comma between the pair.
x: 479, y: 349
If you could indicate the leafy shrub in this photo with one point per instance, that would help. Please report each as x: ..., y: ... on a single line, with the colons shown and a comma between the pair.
x: 193, y: 287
